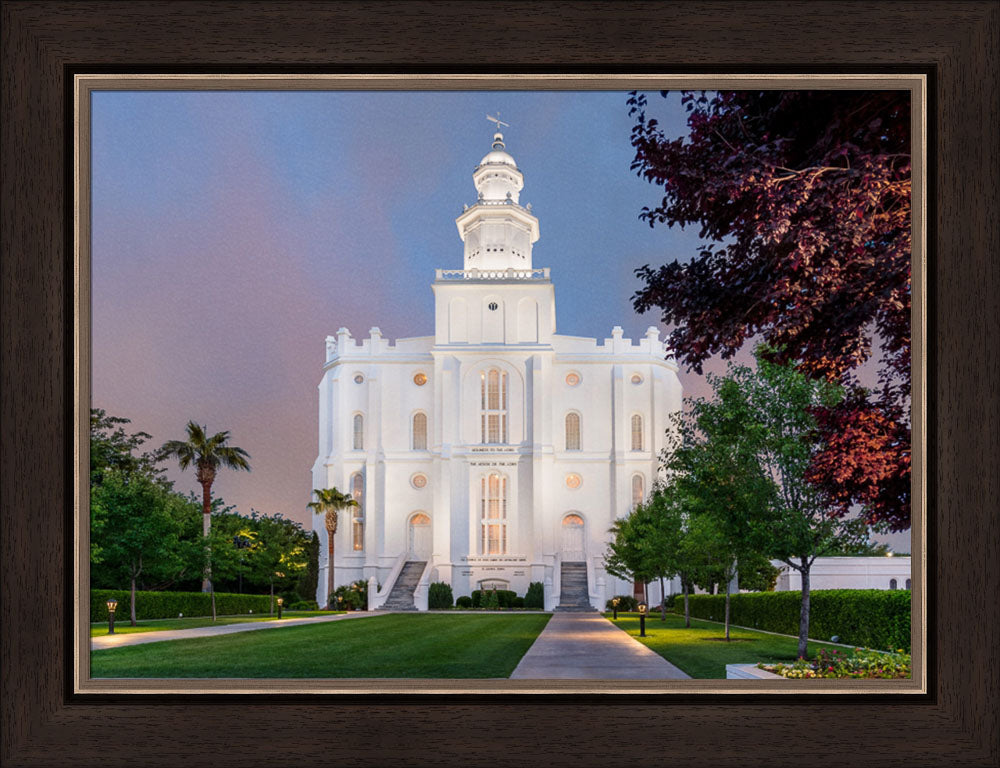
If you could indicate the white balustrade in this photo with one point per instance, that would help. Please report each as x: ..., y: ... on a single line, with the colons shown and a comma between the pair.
x: 492, y: 274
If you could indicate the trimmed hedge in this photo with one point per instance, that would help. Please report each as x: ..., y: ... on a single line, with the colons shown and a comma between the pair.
x: 464, y: 602
x: 505, y: 597
x: 535, y: 596
x: 439, y: 596
x: 872, y: 618
x: 166, y: 605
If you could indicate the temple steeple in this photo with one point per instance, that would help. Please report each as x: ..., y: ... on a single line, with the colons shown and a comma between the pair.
x: 497, y: 230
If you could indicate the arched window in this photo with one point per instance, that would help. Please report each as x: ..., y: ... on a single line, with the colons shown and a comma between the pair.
x: 638, y: 489
x: 420, y: 431
x: 908, y: 584
x: 892, y: 583
x: 358, y: 516
x: 493, y: 535
x: 359, y: 432
x: 637, y: 432
x: 493, y: 404
x: 572, y: 431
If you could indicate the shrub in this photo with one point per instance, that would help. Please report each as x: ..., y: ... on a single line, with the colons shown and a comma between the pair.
x: 304, y: 605
x: 439, y: 597
x: 492, y: 600
x: 167, y: 605
x: 873, y: 618
x: 535, y: 596
x: 504, y: 598
x: 355, y: 596
x: 856, y: 663
x: 518, y: 602
x: 626, y: 604
x: 464, y: 602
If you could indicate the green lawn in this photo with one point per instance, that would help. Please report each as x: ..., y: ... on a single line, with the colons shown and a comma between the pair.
x: 122, y: 627
x: 702, y: 651
x: 405, y: 646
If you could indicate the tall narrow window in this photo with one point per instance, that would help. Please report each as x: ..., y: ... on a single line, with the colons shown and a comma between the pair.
x: 892, y: 583
x: 572, y: 431
x: 638, y: 490
x: 493, y: 405
x: 420, y: 431
x: 359, y: 432
x: 493, y: 534
x: 358, y: 512
x: 637, y: 432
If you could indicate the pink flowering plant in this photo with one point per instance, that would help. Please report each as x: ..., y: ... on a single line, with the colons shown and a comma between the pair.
x: 856, y: 663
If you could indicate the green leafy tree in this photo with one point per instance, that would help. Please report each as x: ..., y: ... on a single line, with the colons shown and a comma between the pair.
x: 745, y: 454
x: 626, y: 557
x: 279, y: 553
x: 757, y: 574
x: 111, y: 447
x: 139, y: 536
x: 207, y: 455
x: 306, y: 585
x: 330, y: 502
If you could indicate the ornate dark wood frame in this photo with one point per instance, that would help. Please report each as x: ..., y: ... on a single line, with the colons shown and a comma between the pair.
x: 45, y: 43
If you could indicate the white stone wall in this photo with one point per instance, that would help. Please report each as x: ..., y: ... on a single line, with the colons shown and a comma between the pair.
x: 498, y: 312
x: 847, y: 573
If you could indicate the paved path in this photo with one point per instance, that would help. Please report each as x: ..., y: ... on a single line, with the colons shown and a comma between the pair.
x: 137, y: 638
x: 586, y: 646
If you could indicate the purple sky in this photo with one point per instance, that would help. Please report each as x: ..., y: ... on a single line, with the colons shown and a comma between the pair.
x: 232, y: 232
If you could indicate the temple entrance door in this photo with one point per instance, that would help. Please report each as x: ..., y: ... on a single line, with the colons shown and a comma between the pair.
x: 420, y: 537
x: 572, y: 539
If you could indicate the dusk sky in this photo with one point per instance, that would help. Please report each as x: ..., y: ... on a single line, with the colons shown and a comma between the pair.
x: 233, y: 231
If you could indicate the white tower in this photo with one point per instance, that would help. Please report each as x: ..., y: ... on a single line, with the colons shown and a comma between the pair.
x: 498, y: 297
x: 497, y: 230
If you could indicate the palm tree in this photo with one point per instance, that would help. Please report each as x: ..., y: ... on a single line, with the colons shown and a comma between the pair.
x: 330, y: 501
x: 207, y: 454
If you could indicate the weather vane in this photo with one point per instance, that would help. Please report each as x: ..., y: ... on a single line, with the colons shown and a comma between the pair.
x: 497, y: 120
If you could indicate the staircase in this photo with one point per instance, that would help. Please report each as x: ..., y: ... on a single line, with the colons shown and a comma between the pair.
x: 573, y: 594
x: 401, y: 596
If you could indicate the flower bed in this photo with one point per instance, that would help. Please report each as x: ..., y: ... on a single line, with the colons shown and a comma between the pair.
x: 859, y: 663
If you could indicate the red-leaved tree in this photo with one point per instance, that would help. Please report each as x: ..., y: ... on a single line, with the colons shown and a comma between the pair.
x: 804, y: 200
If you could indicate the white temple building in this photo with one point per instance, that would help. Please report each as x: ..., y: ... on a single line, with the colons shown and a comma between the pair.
x: 492, y: 452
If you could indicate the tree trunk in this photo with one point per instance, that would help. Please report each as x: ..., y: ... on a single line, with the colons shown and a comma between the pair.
x: 727, y: 611
x: 687, y: 608
x: 329, y: 574
x: 132, y: 608
x: 663, y: 601
x: 272, y: 597
x: 804, y: 612
x: 213, y: 603
x: 206, y: 527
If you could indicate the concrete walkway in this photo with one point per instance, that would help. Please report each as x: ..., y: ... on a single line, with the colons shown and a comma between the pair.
x: 586, y: 646
x: 138, y: 638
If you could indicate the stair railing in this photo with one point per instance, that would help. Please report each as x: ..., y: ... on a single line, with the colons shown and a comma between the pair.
x: 592, y: 595
x: 556, y: 582
x: 422, y: 593
x: 376, y: 599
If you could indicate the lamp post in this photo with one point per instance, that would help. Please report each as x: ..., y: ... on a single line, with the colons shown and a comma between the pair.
x: 281, y: 601
x: 340, y: 602
x: 614, y: 606
x: 643, y: 608
x: 112, y: 605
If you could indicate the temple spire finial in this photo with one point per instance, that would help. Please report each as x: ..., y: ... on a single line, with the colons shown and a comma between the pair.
x: 498, y: 136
